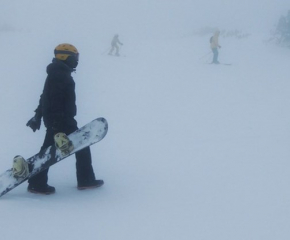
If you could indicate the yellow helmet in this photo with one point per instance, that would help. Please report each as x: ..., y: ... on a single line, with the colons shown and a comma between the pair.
x: 64, y: 50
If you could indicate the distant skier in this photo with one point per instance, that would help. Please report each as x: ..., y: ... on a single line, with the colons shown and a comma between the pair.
x: 288, y: 23
x: 115, y: 45
x: 282, y: 26
x: 214, y: 44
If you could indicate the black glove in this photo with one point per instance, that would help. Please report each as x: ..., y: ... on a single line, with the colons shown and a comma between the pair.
x: 34, y: 123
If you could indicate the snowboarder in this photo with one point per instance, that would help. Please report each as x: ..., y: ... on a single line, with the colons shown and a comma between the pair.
x: 115, y: 45
x: 57, y: 108
x: 214, y: 44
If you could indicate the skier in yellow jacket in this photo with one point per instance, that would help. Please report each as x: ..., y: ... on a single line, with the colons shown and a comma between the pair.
x: 214, y: 44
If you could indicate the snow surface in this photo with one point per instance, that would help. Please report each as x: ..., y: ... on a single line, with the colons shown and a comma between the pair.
x: 194, y: 151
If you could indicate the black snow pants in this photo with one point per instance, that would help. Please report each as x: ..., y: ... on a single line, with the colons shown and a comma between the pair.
x: 84, y: 169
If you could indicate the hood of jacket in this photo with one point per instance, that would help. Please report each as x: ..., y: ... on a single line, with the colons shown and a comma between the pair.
x: 58, y: 65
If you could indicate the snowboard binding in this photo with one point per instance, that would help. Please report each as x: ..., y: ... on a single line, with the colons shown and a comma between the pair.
x: 20, y: 168
x: 63, y: 143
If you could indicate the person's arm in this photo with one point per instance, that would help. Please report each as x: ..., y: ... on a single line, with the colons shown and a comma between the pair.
x: 35, y: 122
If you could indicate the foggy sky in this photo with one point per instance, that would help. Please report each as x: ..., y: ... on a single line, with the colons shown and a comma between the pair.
x: 142, y: 18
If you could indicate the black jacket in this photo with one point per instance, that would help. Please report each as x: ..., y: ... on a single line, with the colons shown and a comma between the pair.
x: 57, y: 102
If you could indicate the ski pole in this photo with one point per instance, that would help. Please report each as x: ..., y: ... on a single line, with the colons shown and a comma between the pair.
x: 105, y: 51
x: 204, y: 55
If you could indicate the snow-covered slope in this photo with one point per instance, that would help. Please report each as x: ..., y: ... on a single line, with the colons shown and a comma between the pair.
x: 194, y: 151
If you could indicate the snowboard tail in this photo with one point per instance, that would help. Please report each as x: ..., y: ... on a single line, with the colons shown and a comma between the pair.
x: 85, y: 136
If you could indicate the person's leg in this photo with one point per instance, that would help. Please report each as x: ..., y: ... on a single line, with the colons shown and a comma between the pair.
x: 117, y: 50
x: 215, y: 55
x: 38, y: 183
x: 111, y: 51
x: 84, y: 168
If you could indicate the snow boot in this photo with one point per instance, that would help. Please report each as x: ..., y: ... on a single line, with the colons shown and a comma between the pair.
x: 45, y: 190
x: 90, y: 184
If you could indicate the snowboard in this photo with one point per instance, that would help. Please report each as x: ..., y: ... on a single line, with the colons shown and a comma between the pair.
x: 85, y: 136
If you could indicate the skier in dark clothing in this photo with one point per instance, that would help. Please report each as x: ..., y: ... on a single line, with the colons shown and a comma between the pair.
x: 57, y: 108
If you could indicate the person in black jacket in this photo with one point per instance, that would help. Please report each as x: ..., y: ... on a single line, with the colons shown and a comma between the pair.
x: 57, y: 107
